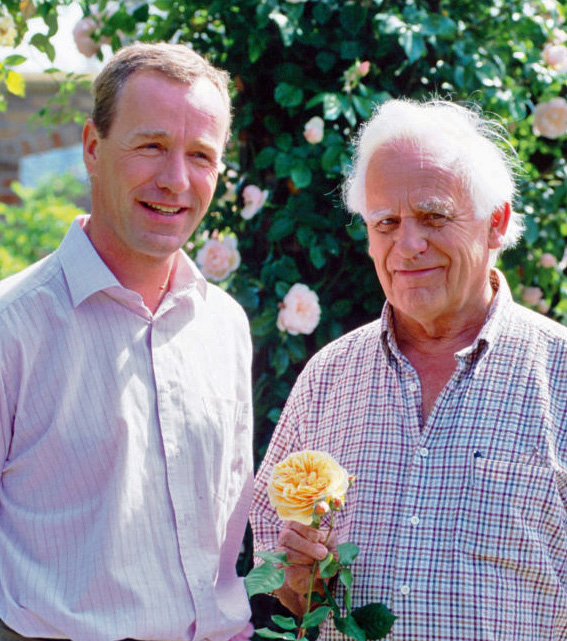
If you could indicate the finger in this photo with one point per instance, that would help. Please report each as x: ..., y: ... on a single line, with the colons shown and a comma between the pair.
x: 290, y: 540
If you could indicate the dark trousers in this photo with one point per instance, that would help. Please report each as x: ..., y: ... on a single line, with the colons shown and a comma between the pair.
x: 7, y: 634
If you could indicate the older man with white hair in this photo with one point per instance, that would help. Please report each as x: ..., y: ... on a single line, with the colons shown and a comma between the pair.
x: 450, y: 409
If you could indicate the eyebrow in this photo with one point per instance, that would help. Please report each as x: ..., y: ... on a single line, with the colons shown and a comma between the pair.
x: 435, y: 204
x: 161, y: 134
x: 375, y: 214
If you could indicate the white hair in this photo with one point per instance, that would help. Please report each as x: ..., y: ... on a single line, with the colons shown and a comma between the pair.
x: 476, y: 148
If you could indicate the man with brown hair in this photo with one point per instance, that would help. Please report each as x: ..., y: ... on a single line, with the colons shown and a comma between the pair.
x: 125, y: 396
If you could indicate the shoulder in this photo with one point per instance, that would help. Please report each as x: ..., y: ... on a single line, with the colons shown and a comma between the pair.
x: 355, y: 350
x: 526, y: 323
x: 35, y: 282
x: 224, y: 305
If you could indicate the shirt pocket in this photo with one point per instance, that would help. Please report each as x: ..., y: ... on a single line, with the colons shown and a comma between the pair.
x: 511, y: 515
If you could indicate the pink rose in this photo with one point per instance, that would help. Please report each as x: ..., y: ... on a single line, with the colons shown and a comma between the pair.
x: 555, y: 56
x: 550, y: 118
x: 82, y: 33
x: 245, y: 634
x: 532, y: 295
x: 254, y: 199
x: 314, y: 130
x: 548, y: 260
x: 363, y: 68
x: 218, y: 258
x: 559, y: 36
x: 300, y: 311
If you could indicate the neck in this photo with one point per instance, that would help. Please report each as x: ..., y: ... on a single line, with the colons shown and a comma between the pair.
x: 150, y: 277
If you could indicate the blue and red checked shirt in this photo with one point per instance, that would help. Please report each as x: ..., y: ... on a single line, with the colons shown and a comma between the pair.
x: 462, y: 521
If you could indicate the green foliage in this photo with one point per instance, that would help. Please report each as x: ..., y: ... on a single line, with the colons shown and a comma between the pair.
x: 31, y: 230
x: 368, y: 622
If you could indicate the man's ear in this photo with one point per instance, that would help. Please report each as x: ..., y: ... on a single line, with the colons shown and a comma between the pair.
x: 91, y: 141
x: 498, y: 225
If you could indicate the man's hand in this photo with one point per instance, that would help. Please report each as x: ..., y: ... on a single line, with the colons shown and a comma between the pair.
x: 303, y: 546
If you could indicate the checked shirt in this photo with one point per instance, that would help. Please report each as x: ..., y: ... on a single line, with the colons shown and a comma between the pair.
x: 461, y: 521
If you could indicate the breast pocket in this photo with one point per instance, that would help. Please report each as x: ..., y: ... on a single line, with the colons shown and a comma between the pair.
x: 511, y: 515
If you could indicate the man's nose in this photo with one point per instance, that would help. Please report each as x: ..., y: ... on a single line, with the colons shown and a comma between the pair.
x: 411, y: 238
x: 174, y: 173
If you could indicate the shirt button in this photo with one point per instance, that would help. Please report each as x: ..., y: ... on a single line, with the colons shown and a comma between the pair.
x: 405, y: 589
x: 414, y: 520
x: 424, y: 452
x: 413, y: 387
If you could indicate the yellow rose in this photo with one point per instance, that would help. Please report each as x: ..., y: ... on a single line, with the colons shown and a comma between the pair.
x: 304, y: 479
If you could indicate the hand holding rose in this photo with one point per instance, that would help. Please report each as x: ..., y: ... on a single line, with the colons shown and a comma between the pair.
x: 303, y: 545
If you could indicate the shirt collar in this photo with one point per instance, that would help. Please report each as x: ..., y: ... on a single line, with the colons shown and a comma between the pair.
x: 86, y: 273
x: 492, y: 328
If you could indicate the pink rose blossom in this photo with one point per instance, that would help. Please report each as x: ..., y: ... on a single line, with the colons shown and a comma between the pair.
x: 363, y: 68
x: 548, y: 260
x: 550, y: 118
x: 218, y: 258
x: 314, y: 130
x: 559, y: 36
x: 254, y: 199
x: 300, y: 311
x: 532, y: 295
x: 555, y: 56
x: 245, y: 634
x: 83, y: 32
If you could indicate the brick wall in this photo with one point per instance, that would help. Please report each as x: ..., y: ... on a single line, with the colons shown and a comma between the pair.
x: 18, y: 139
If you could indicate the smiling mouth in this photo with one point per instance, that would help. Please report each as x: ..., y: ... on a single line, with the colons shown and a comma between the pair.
x: 164, y: 210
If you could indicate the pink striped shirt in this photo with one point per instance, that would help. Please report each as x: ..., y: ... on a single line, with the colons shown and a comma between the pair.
x: 125, y: 440
x: 462, y: 522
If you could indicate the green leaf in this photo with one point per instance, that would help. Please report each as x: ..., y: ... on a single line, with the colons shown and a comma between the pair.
x: 328, y: 567
x: 375, y: 619
x: 301, y: 176
x: 283, y: 165
x: 348, y: 625
x: 532, y: 230
x: 42, y: 43
x: 317, y: 256
x: 332, y: 108
x: 265, y: 323
x: 345, y: 577
x: 281, y: 227
x: 315, y: 617
x: 287, y: 623
x: 280, y: 361
x: 273, y: 557
x: 296, y: 348
x: 274, y: 414
x: 288, y: 95
x: 325, y: 60
x: 413, y: 44
x: 14, y: 60
x: 265, y: 578
x: 15, y: 83
x: 141, y: 13
x: 265, y: 158
x: 347, y: 553
x: 266, y: 633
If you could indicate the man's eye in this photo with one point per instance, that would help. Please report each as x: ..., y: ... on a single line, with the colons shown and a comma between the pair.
x: 386, y: 224
x: 436, y: 218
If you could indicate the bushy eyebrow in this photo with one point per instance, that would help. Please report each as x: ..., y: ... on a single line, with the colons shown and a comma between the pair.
x: 376, y: 214
x: 439, y: 205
